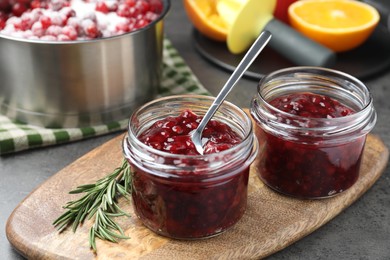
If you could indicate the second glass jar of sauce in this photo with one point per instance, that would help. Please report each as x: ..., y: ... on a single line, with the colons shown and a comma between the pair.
x: 311, y: 124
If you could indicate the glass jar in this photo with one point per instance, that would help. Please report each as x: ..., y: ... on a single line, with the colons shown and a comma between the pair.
x: 311, y: 157
x: 189, y: 196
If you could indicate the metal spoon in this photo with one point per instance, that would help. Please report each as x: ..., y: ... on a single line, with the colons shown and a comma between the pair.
x: 249, y: 57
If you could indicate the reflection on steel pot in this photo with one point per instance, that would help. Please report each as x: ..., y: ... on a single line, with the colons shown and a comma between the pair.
x: 80, y: 83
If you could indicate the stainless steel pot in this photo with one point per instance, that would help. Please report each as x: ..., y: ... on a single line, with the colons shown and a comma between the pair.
x: 80, y: 83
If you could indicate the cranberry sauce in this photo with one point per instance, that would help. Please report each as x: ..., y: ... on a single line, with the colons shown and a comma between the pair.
x: 311, y: 106
x: 172, y: 135
x: 192, y: 204
x: 186, y: 210
x: 69, y: 20
x: 308, y: 167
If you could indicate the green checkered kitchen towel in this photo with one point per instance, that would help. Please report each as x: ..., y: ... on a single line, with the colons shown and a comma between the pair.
x: 177, y: 79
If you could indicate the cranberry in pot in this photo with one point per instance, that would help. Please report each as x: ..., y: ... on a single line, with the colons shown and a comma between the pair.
x: 311, y: 124
x: 177, y: 192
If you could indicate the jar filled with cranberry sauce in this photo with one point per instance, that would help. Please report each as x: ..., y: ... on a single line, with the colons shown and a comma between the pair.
x: 311, y: 124
x: 177, y: 192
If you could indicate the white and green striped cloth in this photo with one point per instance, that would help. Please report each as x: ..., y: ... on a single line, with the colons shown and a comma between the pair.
x: 177, y: 79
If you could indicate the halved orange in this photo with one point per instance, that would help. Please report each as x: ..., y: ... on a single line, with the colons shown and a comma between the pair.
x: 340, y: 25
x: 205, y: 18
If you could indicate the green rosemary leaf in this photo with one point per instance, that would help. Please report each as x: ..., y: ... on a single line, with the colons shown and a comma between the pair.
x: 113, y: 215
x: 92, y: 212
x: 99, y: 236
x: 62, y: 218
x: 99, y: 201
x: 118, y: 228
x: 84, y: 215
x: 101, y: 217
x: 118, y: 209
x: 110, y: 225
x: 77, y: 220
x: 107, y: 236
x: 104, y: 202
x: 87, y: 186
x: 113, y: 190
x: 121, y: 189
x: 94, y: 206
x: 111, y: 208
x: 109, y: 192
x: 92, y: 238
x: 117, y: 235
x: 78, y: 203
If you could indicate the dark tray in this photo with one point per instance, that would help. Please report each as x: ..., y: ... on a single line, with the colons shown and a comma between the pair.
x: 368, y: 60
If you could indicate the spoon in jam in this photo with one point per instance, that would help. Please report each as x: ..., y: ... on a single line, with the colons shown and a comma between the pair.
x: 250, y: 56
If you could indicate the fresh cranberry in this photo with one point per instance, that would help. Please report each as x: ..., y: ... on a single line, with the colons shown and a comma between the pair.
x: 4, y: 5
x: 54, y: 30
x: 112, y: 6
x: 70, y: 32
x: 37, y: 29
x: 18, y: 9
x: 141, y: 23
x: 27, y: 22
x: 102, y: 7
x: 75, y: 23
x: 3, y: 20
x: 142, y: 6
x: 36, y: 4
x: 308, y: 168
x: 67, y: 12
x: 26, y: 2
x: 63, y: 37
x: 61, y: 13
x: 48, y: 38
x: 130, y: 3
x: 156, y: 6
x: 57, y: 5
x: 122, y: 27
x: 45, y: 21
x: 123, y: 10
x: 90, y: 28
x: 16, y: 22
x: 135, y: 13
x: 58, y: 19
x: 131, y: 24
x: 151, y: 16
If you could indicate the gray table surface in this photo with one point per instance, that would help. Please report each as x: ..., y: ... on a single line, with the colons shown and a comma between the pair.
x: 362, y: 231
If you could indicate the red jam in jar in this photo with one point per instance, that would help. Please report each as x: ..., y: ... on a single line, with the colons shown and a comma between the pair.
x: 311, y: 126
x: 172, y: 134
x: 311, y: 106
x: 176, y: 191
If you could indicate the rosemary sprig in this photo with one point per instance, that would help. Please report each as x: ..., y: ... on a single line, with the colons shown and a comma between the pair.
x: 100, y: 200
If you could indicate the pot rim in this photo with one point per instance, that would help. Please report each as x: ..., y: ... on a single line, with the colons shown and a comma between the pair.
x: 166, y: 5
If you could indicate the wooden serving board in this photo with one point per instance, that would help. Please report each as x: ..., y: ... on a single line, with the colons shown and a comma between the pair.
x: 271, y: 222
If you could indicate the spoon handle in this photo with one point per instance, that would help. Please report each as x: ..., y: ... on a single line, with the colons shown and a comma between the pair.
x: 249, y: 57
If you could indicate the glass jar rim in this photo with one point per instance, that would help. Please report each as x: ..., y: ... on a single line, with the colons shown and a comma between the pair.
x: 311, y: 70
x: 206, y: 167
x: 191, y: 96
x: 363, y: 119
x: 209, y: 177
